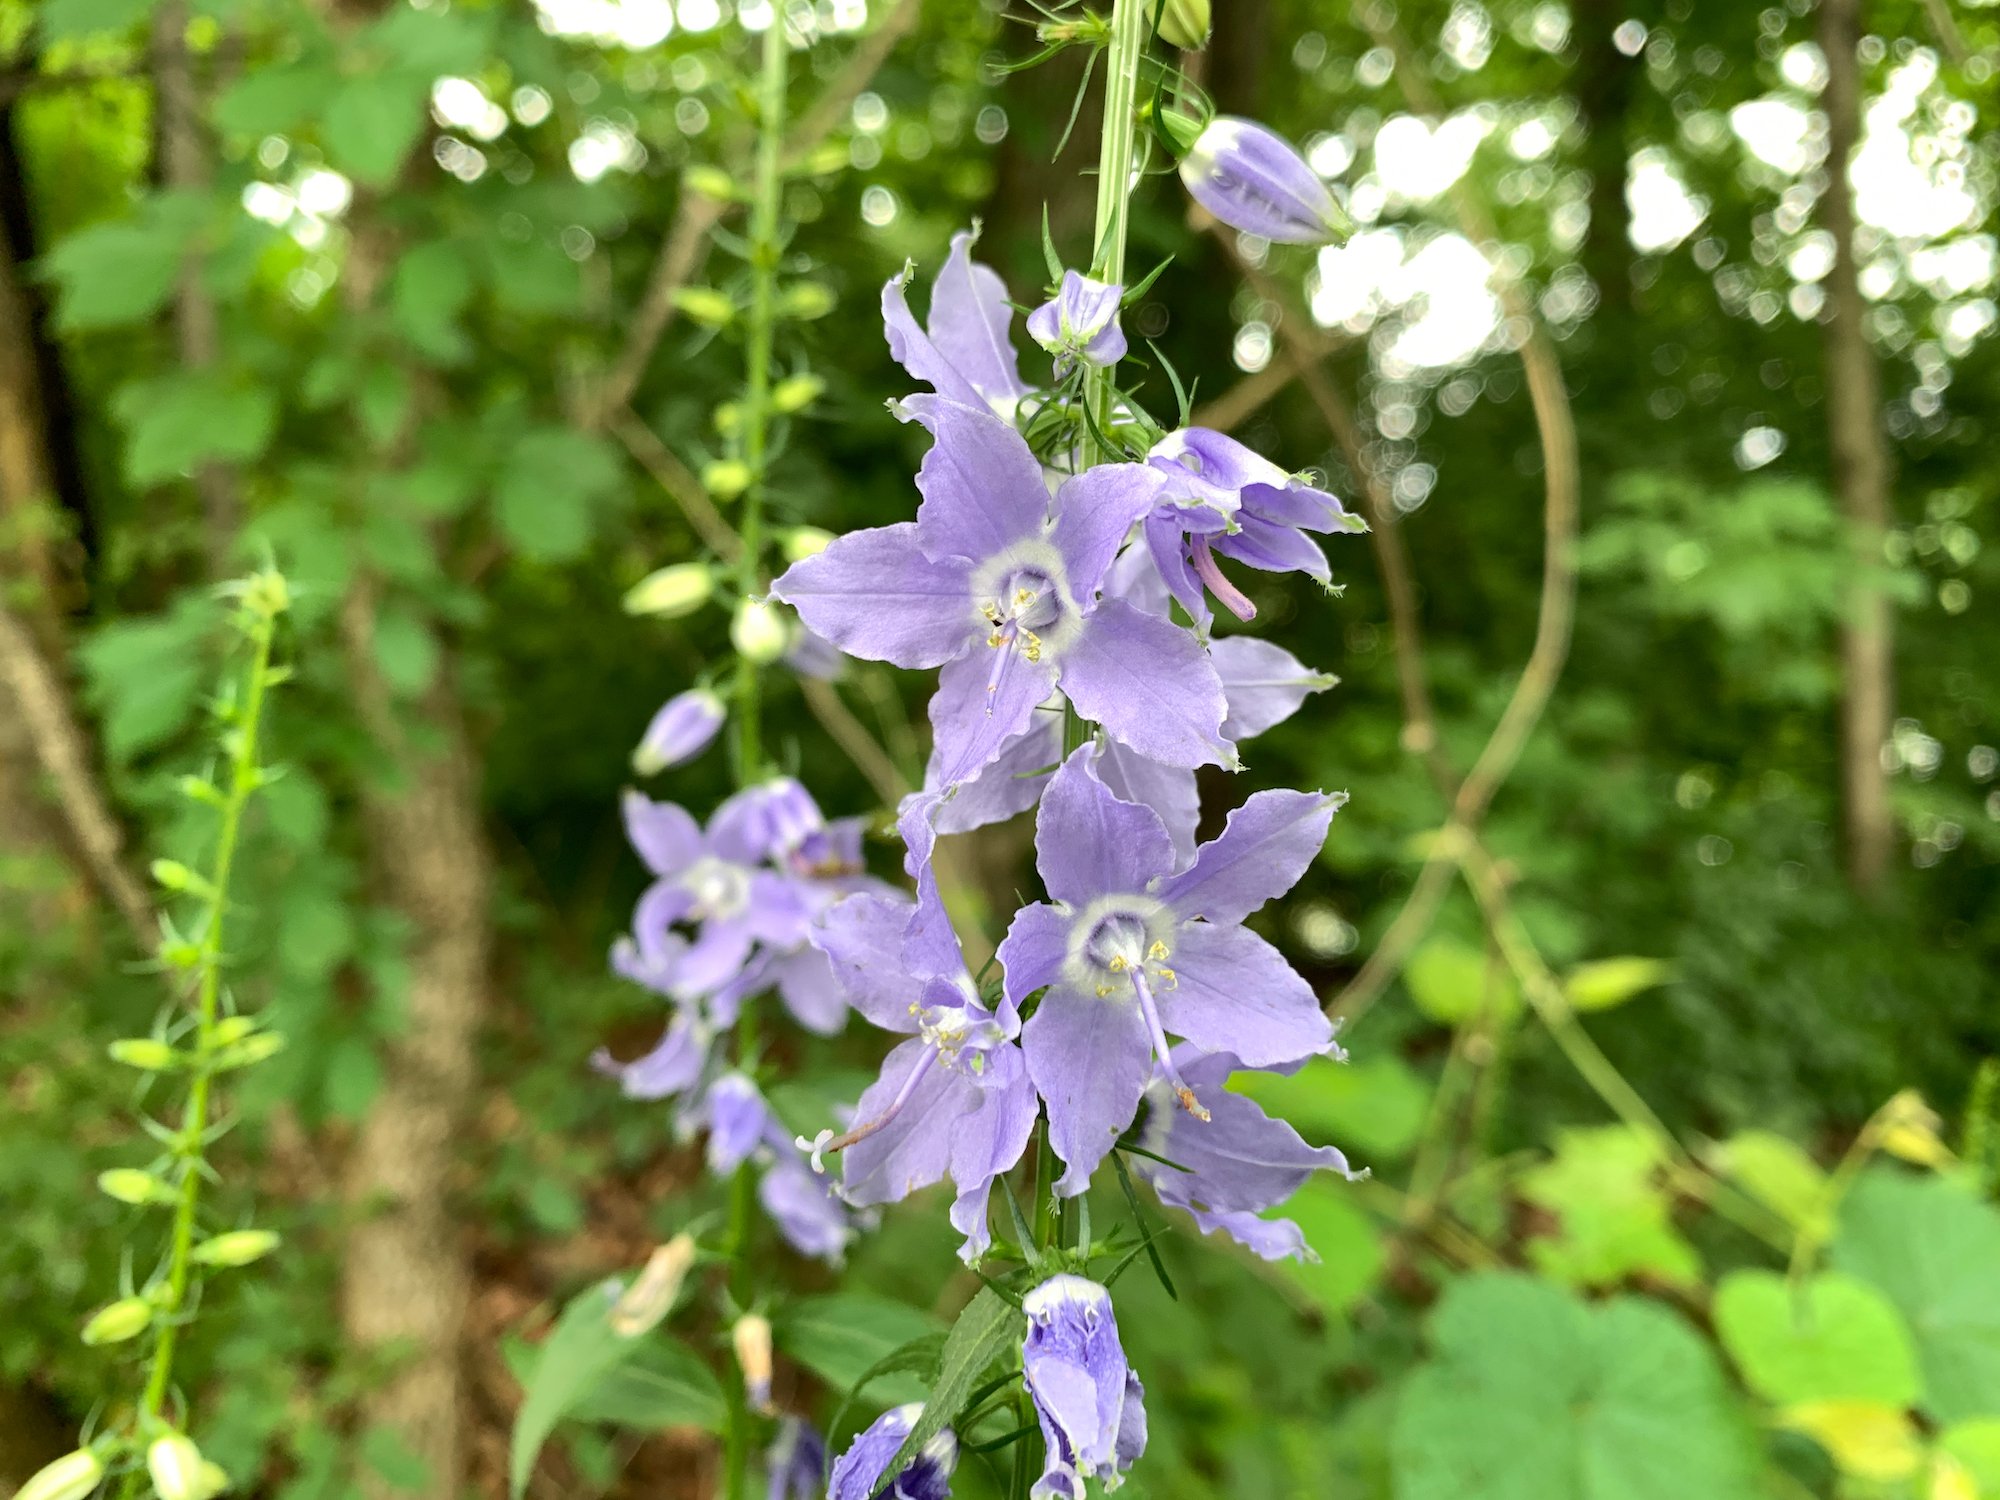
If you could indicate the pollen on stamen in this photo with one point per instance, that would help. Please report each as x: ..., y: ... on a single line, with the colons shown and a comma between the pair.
x: 1190, y: 1103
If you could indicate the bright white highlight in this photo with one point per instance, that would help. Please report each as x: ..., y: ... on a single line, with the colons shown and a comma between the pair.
x: 634, y: 24
x: 1418, y: 163
x: 1890, y: 189
x: 1440, y: 291
x: 1664, y: 212
x: 1775, y: 130
x: 460, y: 104
x: 602, y: 147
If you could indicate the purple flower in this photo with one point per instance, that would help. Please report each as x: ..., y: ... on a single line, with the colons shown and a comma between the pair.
x: 987, y: 585
x: 953, y: 1099
x: 796, y: 1461
x: 1219, y: 494
x: 1080, y: 323
x: 738, y: 1121
x: 966, y: 355
x: 858, y: 1474
x: 683, y: 728
x: 803, y: 1206
x: 810, y: 655
x: 1253, y: 180
x: 1088, y: 1401
x: 1240, y: 1161
x: 673, y: 1067
x: 1132, y: 950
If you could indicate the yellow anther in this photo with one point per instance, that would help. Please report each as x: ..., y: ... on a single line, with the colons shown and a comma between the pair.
x: 1104, y: 989
x: 1157, y: 951
x: 1170, y: 978
x: 1190, y: 1103
x: 996, y: 640
x: 1117, y: 964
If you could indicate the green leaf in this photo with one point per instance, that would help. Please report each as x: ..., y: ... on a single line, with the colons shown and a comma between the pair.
x: 1349, y: 1249
x: 272, y: 100
x: 432, y: 286
x: 533, y: 278
x: 1451, y: 981
x: 428, y: 42
x: 179, y: 421
x: 1840, y: 1340
x: 576, y: 1355
x: 146, y: 676
x: 1935, y: 1250
x: 1531, y: 1395
x: 987, y: 1329
x: 72, y: 20
x: 383, y: 402
x: 664, y: 1385
x: 842, y: 1336
x: 548, y: 489
x: 1604, y: 1187
x: 920, y: 1356
x: 1376, y: 1107
x: 372, y: 122
x: 406, y: 651
x: 1777, y: 1173
x: 1606, y: 982
x: 115, y: 274
x: 353, y: 1078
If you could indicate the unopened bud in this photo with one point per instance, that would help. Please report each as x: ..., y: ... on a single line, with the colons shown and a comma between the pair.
x: 1910, y: 1130
x: 710, y: 182
x: 174, y: 875
x: 176, y: 1467
x: 651, y: 1296
x: 804, y: 301
x: 130, y: 1185
x: 237, y: 1248
x: 122, y: 1320
x: 705, y: 305
x: 231, y: 1030
x: 726, y: 478
x: 758, y: 632
x: 201, y: 789
x: 145, y: 1052
x: 684, y: 727
x: 1184, y: 24
x: 802, y: 542
x: 796, y: 392
x: 671, y: 592
x: 1254, y: 180
x: 70, y: 1477
x: 255, y: 1048
x: 752, y: 1339
x: 728, y: 418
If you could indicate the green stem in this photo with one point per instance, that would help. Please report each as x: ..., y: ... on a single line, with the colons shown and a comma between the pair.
x: 243, y: 781
x: 1114, y: 178
x: 764, y: 252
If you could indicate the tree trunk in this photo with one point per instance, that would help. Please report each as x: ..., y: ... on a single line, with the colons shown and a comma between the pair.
x: 404, y: 1283
x: 1860, y: 476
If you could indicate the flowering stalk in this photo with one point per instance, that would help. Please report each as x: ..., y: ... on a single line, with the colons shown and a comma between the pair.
x: 1114, y: 186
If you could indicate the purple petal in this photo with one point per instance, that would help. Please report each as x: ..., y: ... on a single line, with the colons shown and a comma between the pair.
x: 876, y: 595
x: 796, y: 1462
x: 1032, y: 953
x: 1149, y: 684
x: 969, y: 318
x: 1267, y: 844
x: 1274, y: 549
x: 813, y: 655
x: 1132, y: 1423
x: 667, y: 837
x: 862, y: 936
x: 1135, y: 577
x: 1094, y: 513
x: 1237, y: 994
x: 714, y: 958
x: 914, y: 350
x: 1005, y: 787
x: 803, y: 1207
x: 736, y: 1117
x: 1075, y: 1369
x: 1253, y: 180
x: 973, y: 717
x: 664, y: 903
x: 1213, y: 467
x: 982, y: 487
x: 858, y: 1474
x: 811, y: 993
x: 1165, y: 540
x: 1263, y: 684
x: 989, y: 1141
x: 1091, y: 1059
x: 1239, y: 1159
x: 780, y: 910
x: 684, y: 727
x: 1089, y: 844
x: 1168, y: 790
x: 914, y: 1149
x: 670, y: 1068
x: 1268, y: 1239
x: 1290, y: 502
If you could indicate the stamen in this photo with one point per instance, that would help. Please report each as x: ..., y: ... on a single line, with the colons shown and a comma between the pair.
x: 1232, y: 598
x: 826, y: 1141
x: 1165, y: 1053
x: 1002, y: 641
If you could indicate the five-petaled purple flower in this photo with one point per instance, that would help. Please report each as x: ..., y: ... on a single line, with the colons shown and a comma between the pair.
x: 857, y: 1475
x: 1080, y: 323
x: 1003, y: 595
x: 1132, y: 950
x: 1252, y: 179
x: 1090, y: 1405
x: 1223, y: 496
x: 1239, y: 1161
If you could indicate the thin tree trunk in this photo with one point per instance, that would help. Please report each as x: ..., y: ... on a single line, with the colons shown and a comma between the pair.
x: 184, y: 166
x: 1860, y: 476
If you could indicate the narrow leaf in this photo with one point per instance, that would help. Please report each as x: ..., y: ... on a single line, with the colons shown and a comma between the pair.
x: 985, y: 1330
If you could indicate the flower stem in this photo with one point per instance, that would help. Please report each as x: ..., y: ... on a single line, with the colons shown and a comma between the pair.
x: 244, y: 778
x: 765, y: 248
x: 1114, y: 189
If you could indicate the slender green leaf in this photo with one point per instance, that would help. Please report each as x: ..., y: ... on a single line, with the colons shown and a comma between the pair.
x: 984, y: 1331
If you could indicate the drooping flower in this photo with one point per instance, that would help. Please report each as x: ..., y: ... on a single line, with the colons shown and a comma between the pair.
x: 1239, y: 1161
x: 986, y: 584
x: 803, y: 1206
x: 1252, y: 179
x: 1220, y: 495
x: 1080, y: 323
x: 857, y: 1475
x: 1131, y: 950
x: 673, y: 1066
x: 1090, y: 1405
x: 750, y: 1337
x: 953, y: 1099
x: 965, y: 355
x: 796, y: 1461
x: 684, y: 727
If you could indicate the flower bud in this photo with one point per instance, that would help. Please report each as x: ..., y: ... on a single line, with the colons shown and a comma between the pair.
x: 1910, y: 1130
x: 176, y: 1466
x: 752, y: 1340
x: 728, y: 418
x: 214, y: 1480
x: 174, y: 875
x: 130, y: 1185
x: 1080, y: 322
x: 710, y: 182
x: 237, y: 1248
x: 255, y: 1048
x: 705, y: 305
x: 796, y: 392
x: 1184, y: 24
x: 122, y: 1320
x: 70, y: 1477
x: 758, y: 632
x: 680, y: 731
x: 231, y: 1030
x: 726, y: 478
x: 1253, y: 180
x: 671, y: 592
x: 651, y: 1296
x: 802, y: 542
x: 145, y: 1052
x: 804, y: 301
